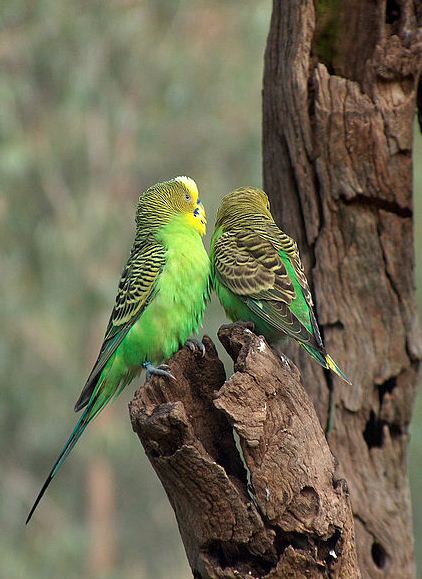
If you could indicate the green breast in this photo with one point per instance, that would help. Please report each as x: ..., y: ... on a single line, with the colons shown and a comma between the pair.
x: 177, y: 309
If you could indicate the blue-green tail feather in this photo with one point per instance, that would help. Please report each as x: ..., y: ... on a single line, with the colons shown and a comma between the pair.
x: 105, y: 390
x: 70, y: 443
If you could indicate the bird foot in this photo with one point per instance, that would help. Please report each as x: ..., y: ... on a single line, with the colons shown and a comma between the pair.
x: 161, y: 370
x: 195, y: 345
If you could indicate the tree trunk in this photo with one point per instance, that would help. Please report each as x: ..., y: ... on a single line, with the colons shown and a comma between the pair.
x: 276, y: 508
x: 340, y: 89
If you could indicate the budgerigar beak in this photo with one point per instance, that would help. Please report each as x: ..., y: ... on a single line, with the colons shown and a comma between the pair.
x: 199, y: 213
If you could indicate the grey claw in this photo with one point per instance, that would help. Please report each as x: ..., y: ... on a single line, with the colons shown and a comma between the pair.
x: 161, y: 370
x: 164, y: 367
x: 194, y: 344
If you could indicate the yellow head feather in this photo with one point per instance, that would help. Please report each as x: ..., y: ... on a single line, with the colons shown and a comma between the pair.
x: 190, y: 185
x: 162, y: 202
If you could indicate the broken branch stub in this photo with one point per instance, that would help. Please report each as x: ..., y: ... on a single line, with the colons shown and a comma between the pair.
x: 275, y: 509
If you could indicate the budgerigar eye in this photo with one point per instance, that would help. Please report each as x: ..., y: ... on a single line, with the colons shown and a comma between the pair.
x: 187, y: 196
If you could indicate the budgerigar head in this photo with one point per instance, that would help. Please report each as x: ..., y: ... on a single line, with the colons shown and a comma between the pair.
x: 162, y: 202
x: 241, y: 203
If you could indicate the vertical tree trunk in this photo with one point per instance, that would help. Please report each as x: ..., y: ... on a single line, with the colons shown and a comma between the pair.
x: 339, y: 103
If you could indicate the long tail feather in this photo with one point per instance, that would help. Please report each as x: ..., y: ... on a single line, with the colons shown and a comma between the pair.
x: 70, y: 443
x: 326, y: 362
x: 334, y: 368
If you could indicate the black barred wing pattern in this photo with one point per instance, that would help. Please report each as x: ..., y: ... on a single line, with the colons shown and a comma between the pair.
x: 137, y: 287
x: 248, y: 263
x: 281, y: 241
x: 249, y: 266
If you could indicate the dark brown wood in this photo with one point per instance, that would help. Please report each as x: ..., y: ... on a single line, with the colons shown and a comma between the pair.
x: 339, y: 102
x: 278, y: 508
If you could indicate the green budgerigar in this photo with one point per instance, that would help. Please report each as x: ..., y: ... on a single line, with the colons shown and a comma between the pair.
x: 160, y: 302
x: 258, y: 275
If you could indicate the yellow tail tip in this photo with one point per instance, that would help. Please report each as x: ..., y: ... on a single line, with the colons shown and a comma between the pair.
x: 334, y: 368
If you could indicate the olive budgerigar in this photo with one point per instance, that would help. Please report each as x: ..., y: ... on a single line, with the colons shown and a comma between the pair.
x: 258, y: 276
x: 160, y: 302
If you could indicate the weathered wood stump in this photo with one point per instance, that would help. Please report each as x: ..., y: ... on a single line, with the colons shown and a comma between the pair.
x: 274, y: 509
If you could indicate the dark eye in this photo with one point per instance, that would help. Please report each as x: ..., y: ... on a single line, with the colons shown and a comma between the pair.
x: 187, y: 196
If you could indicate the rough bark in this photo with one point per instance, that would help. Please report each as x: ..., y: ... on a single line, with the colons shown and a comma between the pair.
x: 277, y: 509
x: 339, y: 101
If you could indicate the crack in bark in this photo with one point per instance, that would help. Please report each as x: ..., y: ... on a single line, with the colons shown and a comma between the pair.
x: 362, y: 200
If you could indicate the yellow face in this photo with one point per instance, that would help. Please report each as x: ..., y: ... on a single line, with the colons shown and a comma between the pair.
x: 191, y: 205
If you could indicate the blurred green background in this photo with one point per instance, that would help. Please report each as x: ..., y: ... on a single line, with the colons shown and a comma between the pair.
x: 100, y: 99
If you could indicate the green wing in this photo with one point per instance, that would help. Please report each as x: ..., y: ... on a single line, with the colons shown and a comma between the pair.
x: 136, y: 288
x: 265, y: 271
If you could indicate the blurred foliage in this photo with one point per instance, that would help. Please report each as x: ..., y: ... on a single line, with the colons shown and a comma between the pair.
x: 100, y: 99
